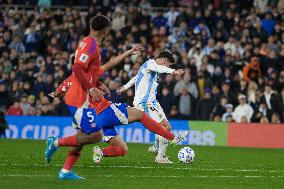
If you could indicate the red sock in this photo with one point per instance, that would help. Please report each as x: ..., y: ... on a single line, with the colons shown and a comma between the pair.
x: 68, y: 141
x: 155, y: 127
x: 71, y: 159
x: 113, y: 151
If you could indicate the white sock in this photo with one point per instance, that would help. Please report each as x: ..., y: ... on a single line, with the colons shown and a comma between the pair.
x: 163, y: 144
x: 156, y: 142
x: 56, y: 143
x: 65, y: 170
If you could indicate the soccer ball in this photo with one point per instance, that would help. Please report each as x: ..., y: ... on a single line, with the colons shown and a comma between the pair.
x: 186, y: 155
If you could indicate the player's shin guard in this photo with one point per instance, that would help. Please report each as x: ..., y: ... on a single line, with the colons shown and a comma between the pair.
x: 155, y: 127
x: 163, y: 144
x: 71, y: 159
x: 68, y: 141
x: 113, y: 151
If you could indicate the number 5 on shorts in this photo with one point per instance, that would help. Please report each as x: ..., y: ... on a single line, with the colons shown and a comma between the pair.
x: 91, y: 116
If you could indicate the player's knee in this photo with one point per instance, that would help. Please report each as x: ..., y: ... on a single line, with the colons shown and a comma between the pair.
x: 94, y: 137
x: 168, y: 127
x: 139, y: 115
x: 76, y: 148
x: 99, y: 136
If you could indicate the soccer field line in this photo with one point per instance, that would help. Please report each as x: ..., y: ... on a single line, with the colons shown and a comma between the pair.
x: 144, y: 176
x: 147, y: 167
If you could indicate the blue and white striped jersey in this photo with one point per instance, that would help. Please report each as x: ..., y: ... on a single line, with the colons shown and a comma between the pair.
x: 146, y: 82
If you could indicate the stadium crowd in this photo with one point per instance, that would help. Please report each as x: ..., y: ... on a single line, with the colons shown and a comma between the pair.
x: 232, y: 52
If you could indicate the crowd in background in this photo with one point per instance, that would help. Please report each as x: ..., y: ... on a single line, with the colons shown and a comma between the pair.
x: 232, y: 53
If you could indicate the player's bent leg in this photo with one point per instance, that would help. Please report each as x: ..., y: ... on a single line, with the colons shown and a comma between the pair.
x: 91, y: 138
x: 140, y: 116
x: 66, y: 172
x: 50, y: 148
x: 165, y: 123
x: 137, y: 115
x: 79, y: 139
x: 163, y: 144
x: 118, y: 147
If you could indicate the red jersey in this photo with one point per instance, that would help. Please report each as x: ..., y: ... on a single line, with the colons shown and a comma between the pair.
x: 88, y: 57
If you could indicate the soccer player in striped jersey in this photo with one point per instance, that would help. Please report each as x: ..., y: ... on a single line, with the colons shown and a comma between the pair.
x: 90, y: 111
x: 146, y: 85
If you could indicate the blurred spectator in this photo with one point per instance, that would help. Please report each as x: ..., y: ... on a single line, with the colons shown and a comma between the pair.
x: 252, y: 72
x: 262, y: 5
x: 171, y: 16
x: 229, y: 115
x: 186, y: 82
x: 118, y: 19
x: 264, y: 120
x: 243, y: 112
x: 267, y: 97
x: 186, y: 104
x: 3, y: 124
x: 159, y: 20
x: 17, y: 44
x: 262, y: 111
x: 226, y: 91
x: 275, y: 119
x: 220, y: 108
x: 174, y: 114
x: 5, y: 99
x: 166, y: 100
x: 15, y: 109
x: 268, y: 24
x: 205, y: 106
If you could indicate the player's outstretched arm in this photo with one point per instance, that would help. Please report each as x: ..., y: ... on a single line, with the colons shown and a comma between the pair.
x: 164, y: 69
x: 115, y: 61
x: 130, y: 83
x: 62, y: 88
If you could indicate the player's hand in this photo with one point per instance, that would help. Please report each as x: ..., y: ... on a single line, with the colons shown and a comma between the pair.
x: 51, y: 94
x: 120, y: 90
x: 136, y: 49
x: 96, y: 94
x: 178, y: 72
x: 54, y: 94
x: 104, y: 89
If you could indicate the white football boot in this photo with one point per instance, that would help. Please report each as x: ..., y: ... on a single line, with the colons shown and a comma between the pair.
x: 153, y: 149
x: 163, y: 160
x: 97, y: 154
x: 180, y: 137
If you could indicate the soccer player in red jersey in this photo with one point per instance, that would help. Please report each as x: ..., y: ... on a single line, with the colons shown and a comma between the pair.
x: 89, y: 109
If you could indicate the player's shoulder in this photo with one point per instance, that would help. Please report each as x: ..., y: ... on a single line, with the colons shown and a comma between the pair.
x: 89, y: 39
x: 149, y: 62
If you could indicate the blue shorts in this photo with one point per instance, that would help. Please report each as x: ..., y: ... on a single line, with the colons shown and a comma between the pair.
x: 87, y: 120
x: 116, y: 114
x: 84, y: 119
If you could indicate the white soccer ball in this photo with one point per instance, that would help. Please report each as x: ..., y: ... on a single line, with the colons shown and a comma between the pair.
x: 186, y: 155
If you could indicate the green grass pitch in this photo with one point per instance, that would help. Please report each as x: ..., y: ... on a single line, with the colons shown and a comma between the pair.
x: 22, y: 166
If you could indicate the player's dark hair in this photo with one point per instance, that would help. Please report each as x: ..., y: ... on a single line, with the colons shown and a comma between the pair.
x: 167, y: 54
x: 100, y: 22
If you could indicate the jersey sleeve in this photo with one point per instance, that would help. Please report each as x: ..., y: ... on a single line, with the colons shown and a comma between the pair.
x: 153, y: 66
x: 64, y: 86
x: 85, y: 52
x: 130, y: 83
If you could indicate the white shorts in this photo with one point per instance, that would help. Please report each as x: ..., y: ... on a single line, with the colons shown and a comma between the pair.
x: 155, y: 112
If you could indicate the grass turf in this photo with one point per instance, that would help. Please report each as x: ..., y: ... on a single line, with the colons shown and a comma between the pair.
x: 22, y: 166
